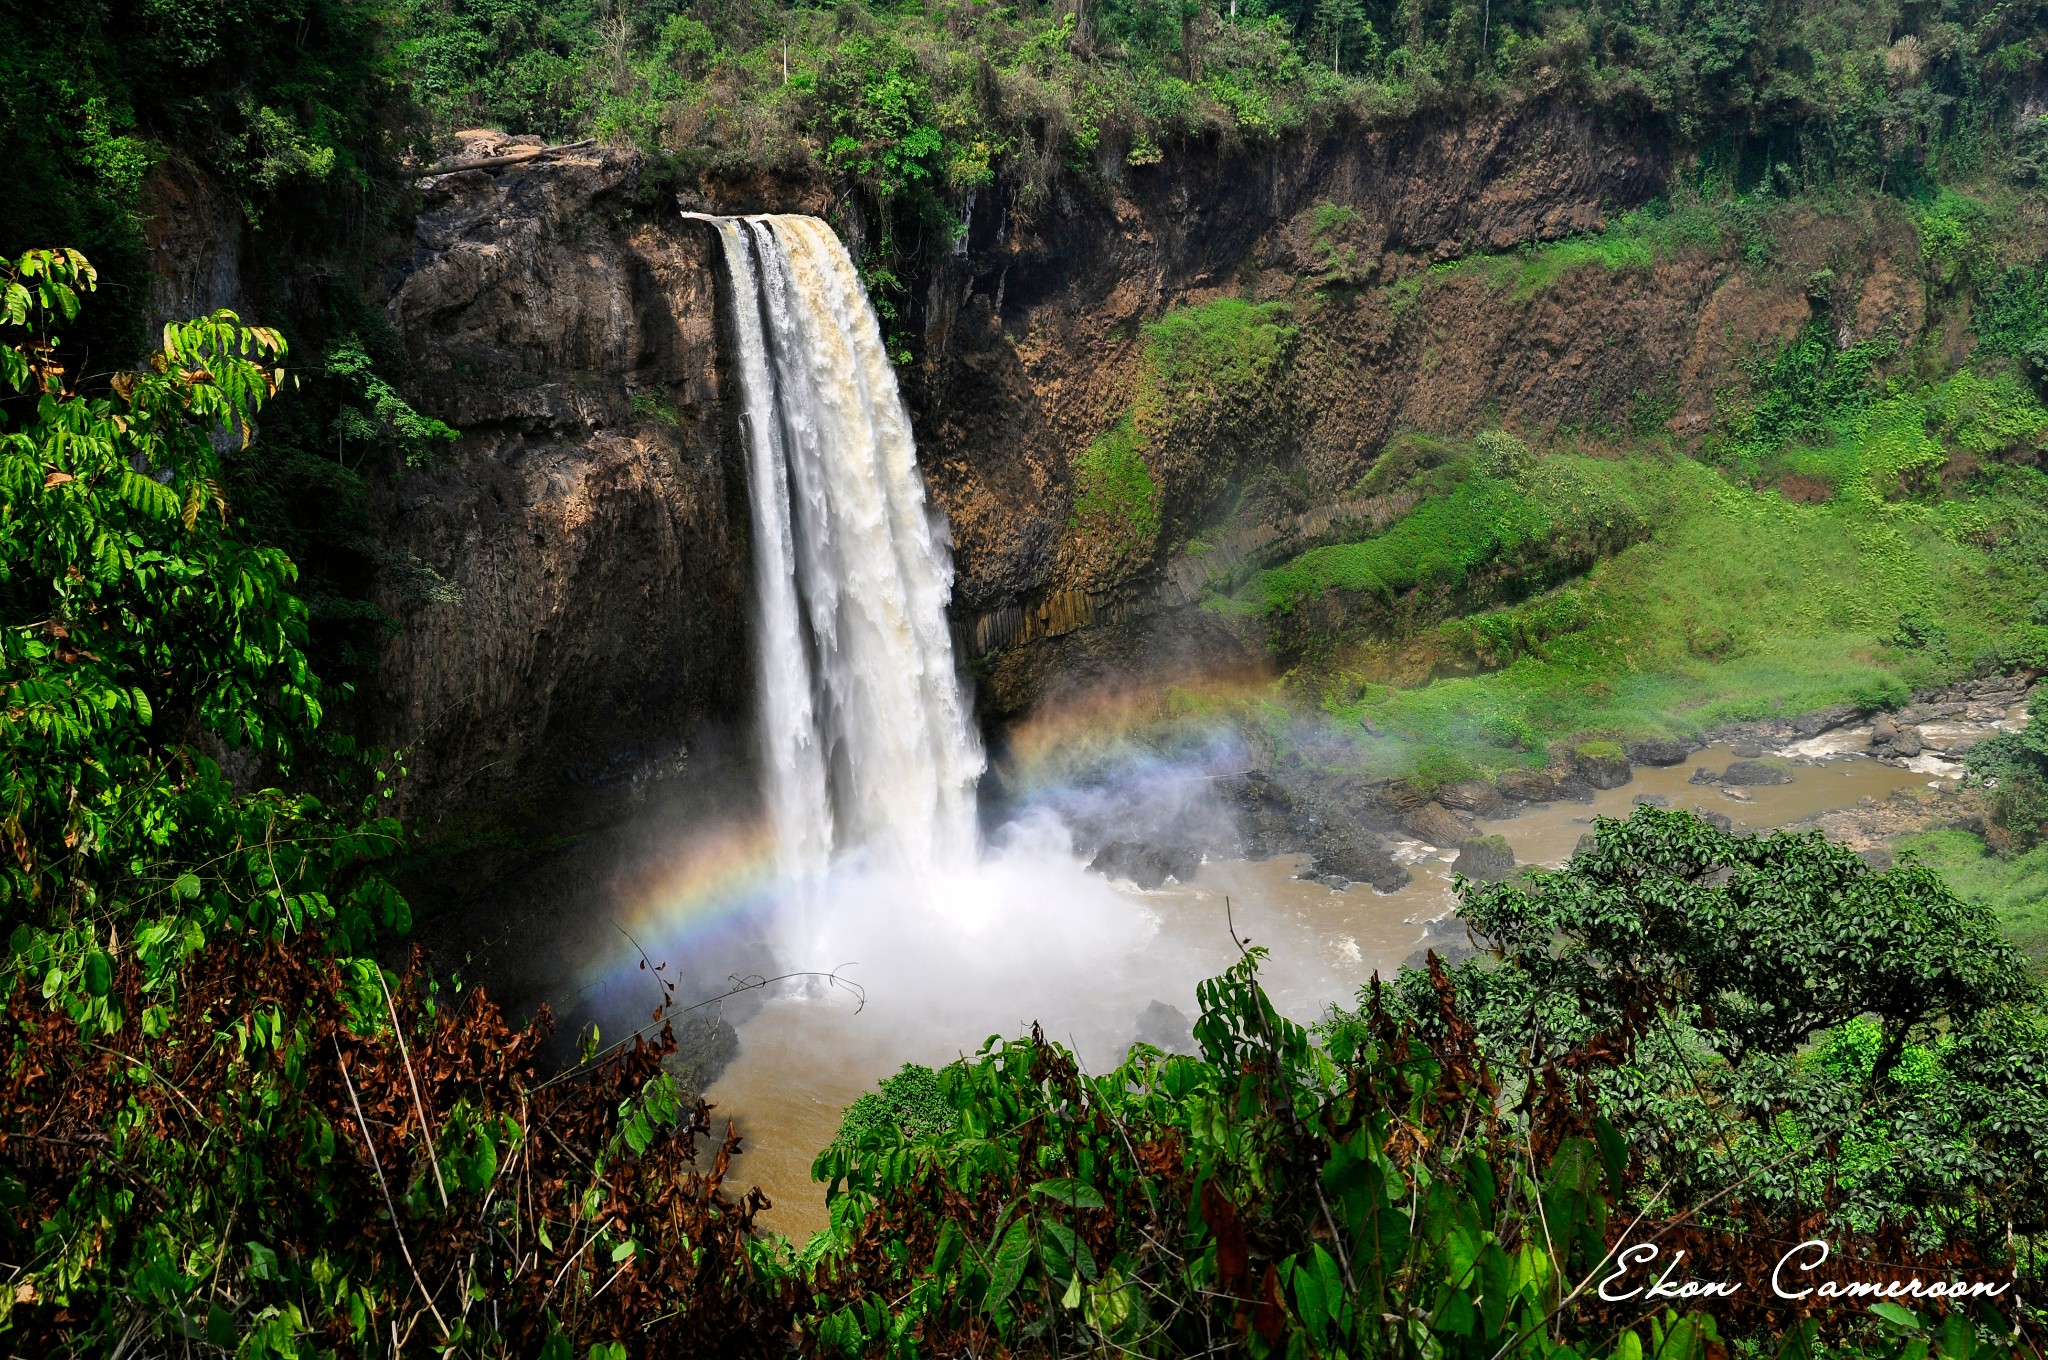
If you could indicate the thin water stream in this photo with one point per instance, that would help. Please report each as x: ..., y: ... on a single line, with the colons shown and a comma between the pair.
x: 805, y: 1056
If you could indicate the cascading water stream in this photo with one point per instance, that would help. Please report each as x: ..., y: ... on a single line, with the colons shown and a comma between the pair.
x: 865, y: 727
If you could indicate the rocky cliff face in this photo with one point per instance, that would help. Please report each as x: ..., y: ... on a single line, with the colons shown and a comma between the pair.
x: 571, y: 579
x: 1038, y: 347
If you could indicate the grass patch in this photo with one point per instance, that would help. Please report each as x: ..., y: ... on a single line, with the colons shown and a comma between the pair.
x: 1741, y: 605
x: 1437, y: 544
x: 1221, y: 350
x: 1567, y: 506
x: 1741, y: 602
x: 1635, y: 240
x: 1115, y: 497
x: 2015, y: 887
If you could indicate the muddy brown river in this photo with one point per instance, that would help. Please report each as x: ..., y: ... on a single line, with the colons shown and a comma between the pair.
x: 804, y: 1056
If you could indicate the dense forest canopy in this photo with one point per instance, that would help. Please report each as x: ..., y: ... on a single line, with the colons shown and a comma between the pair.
x: 306, y: 107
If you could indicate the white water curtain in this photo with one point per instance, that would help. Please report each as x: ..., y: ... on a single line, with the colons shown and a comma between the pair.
x: 867, y: 733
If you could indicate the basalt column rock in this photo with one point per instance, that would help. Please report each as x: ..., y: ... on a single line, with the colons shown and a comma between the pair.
x: 571, y: 578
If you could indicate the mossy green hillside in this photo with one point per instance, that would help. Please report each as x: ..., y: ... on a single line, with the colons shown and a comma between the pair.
x: 1224, y: 349
x: 1477, y: 537
x: 1207, y: 379
x: 1739, y: 604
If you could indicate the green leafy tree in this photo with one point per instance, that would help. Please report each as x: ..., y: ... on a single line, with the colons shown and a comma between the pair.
x: 223, y: 1131
x: 1769, y: 1012
x: 378, y: 415
x: 2014, y: 765
x: 1376, y: 1193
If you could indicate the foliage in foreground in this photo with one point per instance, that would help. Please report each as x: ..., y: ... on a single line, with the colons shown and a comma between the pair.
x: 1411, y: 1182
x: 1857, y: 1048
x: 222, y: 1129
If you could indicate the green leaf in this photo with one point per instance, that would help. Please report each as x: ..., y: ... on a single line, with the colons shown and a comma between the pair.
x: 1896, y: 1315
x: 1459, y: 1317
x: 1066, y: 1190
x: 1012, y: 1256
x: 951, y: 1239
x: 1958, y: 1337
x: 1311, y: 1304
x: 1681, y: 1342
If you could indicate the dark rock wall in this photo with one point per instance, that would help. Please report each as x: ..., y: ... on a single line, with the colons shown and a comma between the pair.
x: 1034, y: 333
x: 571, y: 579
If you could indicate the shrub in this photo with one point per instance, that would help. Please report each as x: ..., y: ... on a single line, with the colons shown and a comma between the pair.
x: 2015, y: 767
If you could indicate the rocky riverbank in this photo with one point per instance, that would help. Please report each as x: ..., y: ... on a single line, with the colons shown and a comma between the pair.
x: 1356, y: 829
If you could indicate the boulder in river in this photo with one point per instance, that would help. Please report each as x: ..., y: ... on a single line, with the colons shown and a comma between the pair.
x: 1702, y: 775
x: 1889, y: 736
x: 1658, y: 751
x: 1602, y: 764
x: 1166, y: 1028
x: 1486, y: 858
x: 1436, y: 824
x: 1476, y: 796
x: 1148, y: 866
x: 1655, y: 800
x: 1748, y: 749
x: 1450, y: 953
x: 1752, y: 773
x: 1264, y: 813
x: 1342, y: 862
x: 1526, y: 786
x: 1720, y: 821
x: 1825, y: 720
x: 706, y: 1043
x: 1573, y: 788
x: 1343, y: 848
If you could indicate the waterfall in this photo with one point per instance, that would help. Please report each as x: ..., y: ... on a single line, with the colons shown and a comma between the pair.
x: 867, y: 743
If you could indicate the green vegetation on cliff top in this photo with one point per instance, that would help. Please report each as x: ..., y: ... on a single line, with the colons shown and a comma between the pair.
x: 303, y: 109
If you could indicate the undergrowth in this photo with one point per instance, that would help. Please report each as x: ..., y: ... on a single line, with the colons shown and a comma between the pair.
x: 2014, y: 887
